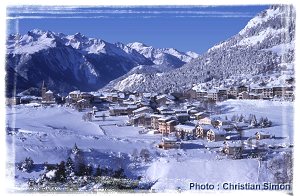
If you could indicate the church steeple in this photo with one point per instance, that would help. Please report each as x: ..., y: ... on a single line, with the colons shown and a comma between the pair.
x: 44, y: 89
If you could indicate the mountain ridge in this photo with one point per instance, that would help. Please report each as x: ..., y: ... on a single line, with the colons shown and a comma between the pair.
x: 71, y: 62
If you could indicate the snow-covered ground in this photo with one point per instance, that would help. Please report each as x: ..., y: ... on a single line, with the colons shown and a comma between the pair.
x: 48, y: 135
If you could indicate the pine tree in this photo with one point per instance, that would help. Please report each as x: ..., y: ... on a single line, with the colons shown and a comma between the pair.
x: 98, y: 171
x: 253, y: 121
x: 119, y: 173
x: 69, y: 166
x: 261, y: 122
x: 60, y: 174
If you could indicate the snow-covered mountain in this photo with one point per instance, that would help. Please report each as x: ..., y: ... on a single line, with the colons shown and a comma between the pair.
x: 265, y: 47
x: 166, y: 56
x: 68, y: 62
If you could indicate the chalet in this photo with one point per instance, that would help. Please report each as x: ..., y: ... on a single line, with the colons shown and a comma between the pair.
x: 143, y: 120
x: 192, y: 111
x: 262, y: 135
x: 164, y: 110
x: 169, y: 143
x: 74, y: 95
x: 143, y: 102
x: 243, y: 95
x: 154, y: 121
x: 241, y: 125
x: 142, y: 110
x: 82, y: 104
x: 201, y: 115
x: 112, y: 97
x: 184, y: 131
x: 234, y: 148
x: 201, y: 130
x: 87, y: 96
x: 204, y: 121
x: 216, y: 135
x: 179, y: 111
x: 164, y: 99
x: 182, y: 117
x: 121, y: 110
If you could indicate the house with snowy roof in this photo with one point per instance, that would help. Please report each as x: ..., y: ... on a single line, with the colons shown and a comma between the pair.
x: 205, y: 121
x: 169, y: 142
x: 234, y: 148
x: 184, y: 131
x: 141, y: 120
x: 201, y: 115
x: 262, y: 135
x: 202, y: 129
x: 142, y: 110
x: 121, y: 110
x: 164, y: 99
x: 82, y: 104
x: 216, y: 135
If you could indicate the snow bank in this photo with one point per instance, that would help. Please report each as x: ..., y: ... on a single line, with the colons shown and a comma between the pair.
x: 171, y: 174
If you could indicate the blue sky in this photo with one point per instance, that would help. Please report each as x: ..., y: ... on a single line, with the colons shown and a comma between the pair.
x: 195, y: 28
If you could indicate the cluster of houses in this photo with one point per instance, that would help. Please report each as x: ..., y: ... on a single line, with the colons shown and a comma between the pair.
x: 83, y: 100
x: 244, y: 92
x: 187, y: 123
x: 173, y: 115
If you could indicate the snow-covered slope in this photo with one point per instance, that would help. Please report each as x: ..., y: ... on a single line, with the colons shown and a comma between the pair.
x: 266, y: 43
x: 68, y: 62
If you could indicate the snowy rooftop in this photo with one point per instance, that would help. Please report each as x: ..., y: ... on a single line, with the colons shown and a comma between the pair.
x: 142, y: 109
x: 170, y: 139
x: 171, y: 97
x: 182, y: 114
x: 206, y: 127
x: 165, y: 118
x: 157, y: 115
x: 171, y: 121
x: 237, y: 143
x: 74, y: 93
x: 218, y: 131
x: 49, y: 92
x: 185, y: 127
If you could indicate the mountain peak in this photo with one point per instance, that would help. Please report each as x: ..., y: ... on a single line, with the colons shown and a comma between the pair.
x: 137, y: 45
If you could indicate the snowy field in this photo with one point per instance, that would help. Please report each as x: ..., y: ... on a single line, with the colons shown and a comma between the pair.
x: 49, y: 134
